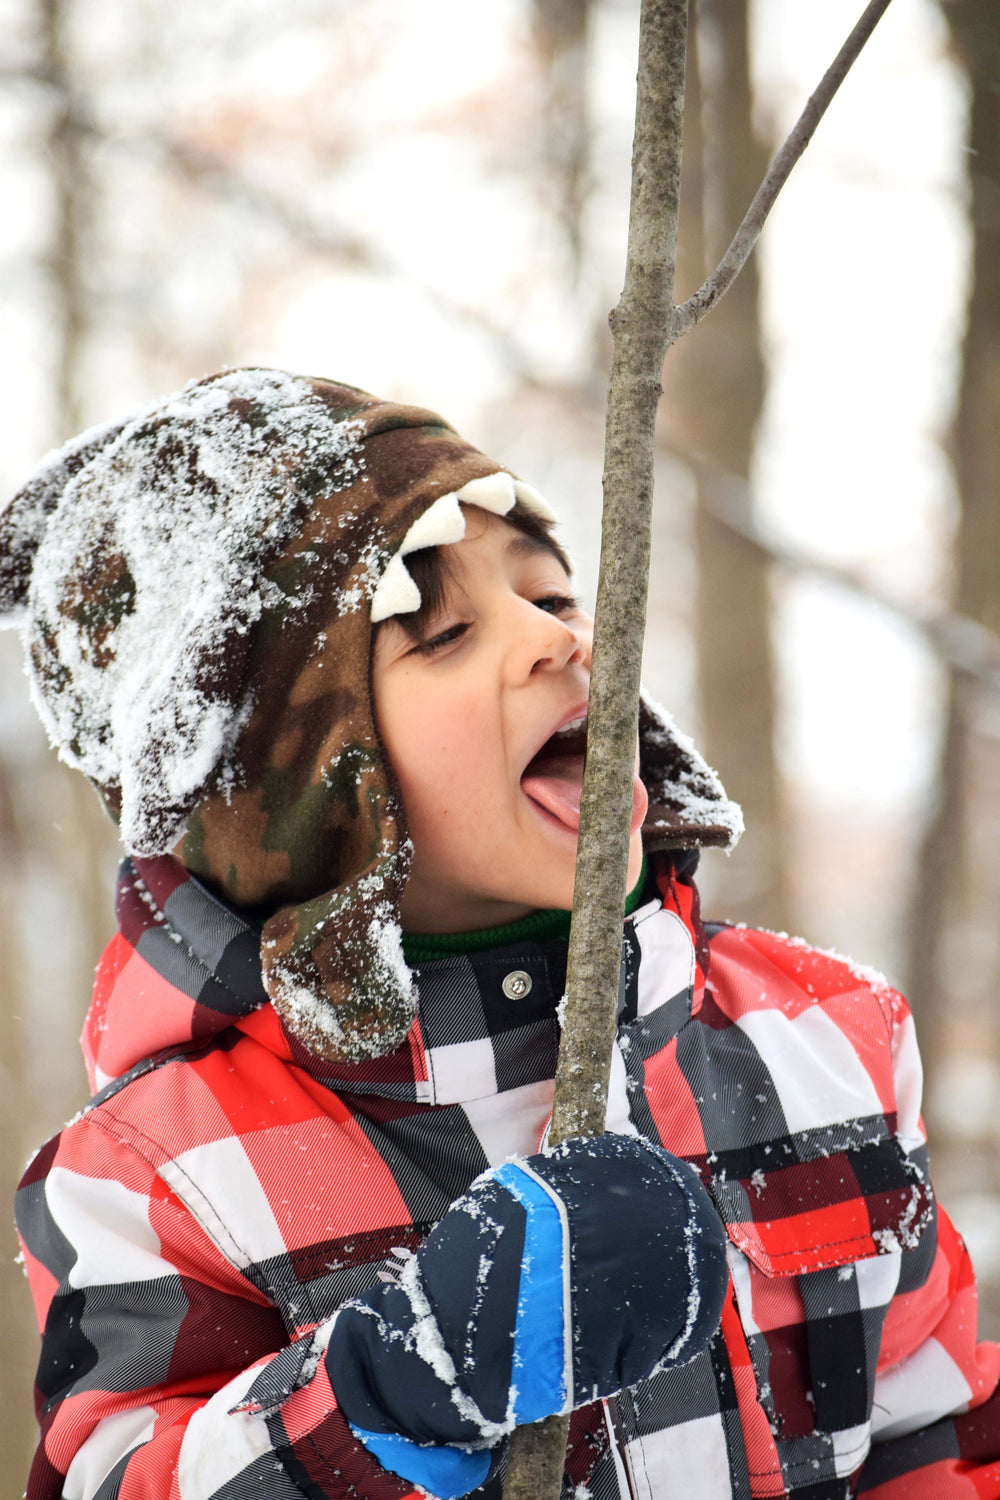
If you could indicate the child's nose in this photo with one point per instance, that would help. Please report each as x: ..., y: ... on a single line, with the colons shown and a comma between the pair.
x: 555, y: 644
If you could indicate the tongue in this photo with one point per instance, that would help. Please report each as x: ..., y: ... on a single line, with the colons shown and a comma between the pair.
x: 555, y: 783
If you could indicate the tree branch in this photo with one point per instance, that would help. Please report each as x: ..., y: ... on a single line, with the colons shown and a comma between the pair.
x: 960, y: 642
x: 694, y: 309
x: 641, y: 328
x: 643, y: 325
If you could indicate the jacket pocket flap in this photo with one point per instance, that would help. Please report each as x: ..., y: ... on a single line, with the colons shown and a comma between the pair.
x: 828, y: 1211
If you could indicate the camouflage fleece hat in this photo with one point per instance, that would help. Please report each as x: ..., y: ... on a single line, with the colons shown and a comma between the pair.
x: 198, y: 586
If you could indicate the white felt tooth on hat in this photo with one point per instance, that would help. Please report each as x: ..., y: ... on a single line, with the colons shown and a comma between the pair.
x: 440, y: 524
x: 396, y: 593
x: 533, y: 501
x: 494, y: 492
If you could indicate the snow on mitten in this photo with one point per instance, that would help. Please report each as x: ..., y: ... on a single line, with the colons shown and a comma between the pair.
x: 553, y: 1281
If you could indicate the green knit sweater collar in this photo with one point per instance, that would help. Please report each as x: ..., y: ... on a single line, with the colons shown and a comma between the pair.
x: 536, y: 927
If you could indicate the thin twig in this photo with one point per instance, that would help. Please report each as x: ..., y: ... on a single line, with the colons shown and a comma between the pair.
x: 694, y: 309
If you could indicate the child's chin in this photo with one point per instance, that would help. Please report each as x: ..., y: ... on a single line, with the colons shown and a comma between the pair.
x: 546, y: 887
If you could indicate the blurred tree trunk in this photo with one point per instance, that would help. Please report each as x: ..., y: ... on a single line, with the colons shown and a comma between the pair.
x: 560, y: 31
x: 954, y: 953
x: 89, y: 847
x: 714, y: 390
x: 16, y: 1425
x: 81, y: 853
x: 68, y: 170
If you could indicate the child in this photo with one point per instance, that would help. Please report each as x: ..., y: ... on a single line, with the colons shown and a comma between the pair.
x: 321, y: 660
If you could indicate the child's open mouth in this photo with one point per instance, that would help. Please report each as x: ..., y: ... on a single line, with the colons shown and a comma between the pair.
x: 553, y: 778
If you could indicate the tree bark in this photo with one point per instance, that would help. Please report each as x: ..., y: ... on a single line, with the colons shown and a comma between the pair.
x: 642, y: 327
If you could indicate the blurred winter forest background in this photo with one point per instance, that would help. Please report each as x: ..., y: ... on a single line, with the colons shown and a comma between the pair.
x: 430, y: 201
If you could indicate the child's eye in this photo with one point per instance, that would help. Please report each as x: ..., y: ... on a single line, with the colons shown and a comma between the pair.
x: 557, y: 604
x: 443, y: 638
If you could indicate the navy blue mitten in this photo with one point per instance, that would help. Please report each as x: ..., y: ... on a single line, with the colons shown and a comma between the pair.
x: 552, y: 1282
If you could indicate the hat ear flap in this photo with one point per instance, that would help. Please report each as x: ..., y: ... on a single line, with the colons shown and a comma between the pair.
x: 334, y: 966
x: 688, y: 806
x: 25, y: 519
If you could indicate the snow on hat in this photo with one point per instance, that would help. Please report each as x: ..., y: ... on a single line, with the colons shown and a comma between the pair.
x: 198, y: 587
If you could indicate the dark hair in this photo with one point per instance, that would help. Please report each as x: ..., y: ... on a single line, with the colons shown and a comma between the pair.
x: 429, y: 567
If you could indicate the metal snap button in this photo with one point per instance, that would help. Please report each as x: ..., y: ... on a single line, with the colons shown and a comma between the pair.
x: 516, y: 984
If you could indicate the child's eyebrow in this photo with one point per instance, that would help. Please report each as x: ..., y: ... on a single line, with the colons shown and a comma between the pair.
x: 524, y: 545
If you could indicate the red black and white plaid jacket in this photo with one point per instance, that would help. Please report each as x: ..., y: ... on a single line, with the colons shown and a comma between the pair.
x: 190, y: 1234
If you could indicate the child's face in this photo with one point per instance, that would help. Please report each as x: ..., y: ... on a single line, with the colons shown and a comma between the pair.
x: 504, y: 664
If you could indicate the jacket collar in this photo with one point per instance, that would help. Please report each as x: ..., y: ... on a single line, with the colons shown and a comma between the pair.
x: 185, y: 967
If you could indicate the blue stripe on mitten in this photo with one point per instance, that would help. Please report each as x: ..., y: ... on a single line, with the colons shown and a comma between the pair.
x: 444, y: 1472
x: 541, y: 1380
x: 552, y: 1282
